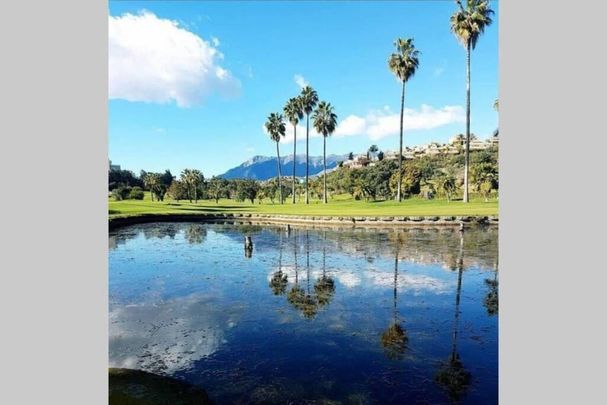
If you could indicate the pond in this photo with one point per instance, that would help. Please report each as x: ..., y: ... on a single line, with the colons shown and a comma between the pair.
x: 310, y: 315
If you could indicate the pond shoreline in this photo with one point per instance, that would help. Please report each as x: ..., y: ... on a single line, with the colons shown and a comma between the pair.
x: 346, y: 221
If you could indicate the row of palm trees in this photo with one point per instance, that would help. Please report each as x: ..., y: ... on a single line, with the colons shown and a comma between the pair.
x: 324, y: 121
x: 467, y: 24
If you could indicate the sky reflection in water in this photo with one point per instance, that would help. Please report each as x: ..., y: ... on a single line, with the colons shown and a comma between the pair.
x: 344, y: 315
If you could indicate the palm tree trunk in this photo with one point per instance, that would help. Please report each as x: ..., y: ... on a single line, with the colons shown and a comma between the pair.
x: 395, y: 282
x: 458, y: 295
x: 279, y: 173
x: 294, y: 158
x: 307, y: 141
x: 324, y: 165
x: 467, y: 156
x: 400, y: 149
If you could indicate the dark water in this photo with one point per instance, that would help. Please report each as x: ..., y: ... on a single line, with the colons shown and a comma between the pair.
x: 335, y: 316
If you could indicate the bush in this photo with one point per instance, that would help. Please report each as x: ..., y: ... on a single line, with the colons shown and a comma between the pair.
x: 136, y: 193
x: 121, y: 193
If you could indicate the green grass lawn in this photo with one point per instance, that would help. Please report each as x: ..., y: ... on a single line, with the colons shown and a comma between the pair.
x: 339, y: 206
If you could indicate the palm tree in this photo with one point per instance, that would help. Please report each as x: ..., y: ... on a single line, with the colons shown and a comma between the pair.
x: 308, y: 98
x: 394, y: 339
x: 324, y: 286
x: 276, y: 128
x: 452, y: 375
x: 468, y: 24
x: 279, y: 280
x: 403, y: 63
x: 294, y: 112
x: 151, y: 181
x: 325, y: 122
x: 188, y: 178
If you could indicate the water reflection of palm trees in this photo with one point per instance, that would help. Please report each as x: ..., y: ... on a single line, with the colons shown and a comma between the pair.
x: 195, y: 234
x: 492, y: 299
x: 324, y: 286
x: 279, y: 280
x: 308, y: 301
x: 452, y: 375
x: 394, y: 339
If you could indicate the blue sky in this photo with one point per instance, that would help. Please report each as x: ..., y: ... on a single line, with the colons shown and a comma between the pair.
x: 191, y: 83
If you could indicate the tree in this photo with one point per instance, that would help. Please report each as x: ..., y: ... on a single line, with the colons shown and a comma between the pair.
x: 324, y: 286
x: 151, y: 181
x: 447, y: 185
x: 217, y: 188
x: 294, y: 112
x: 394, y: 339
x: 410, y: 178
x: 309, y: 99
x: 452, y: 375
x: 380, y: 156
x: 247, y: 190
x: 178, y: 190
x: 372, y: 152
x: 403, y: 63
x: 276, y: 128
x: 484, y: 177
x: 192, y: 178
x: 350, y: 156
x: 467, y: 25
x: 167, y: 178
x: 325, y: 122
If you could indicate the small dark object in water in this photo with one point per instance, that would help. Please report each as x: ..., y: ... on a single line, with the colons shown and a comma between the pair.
x: 248, y: 246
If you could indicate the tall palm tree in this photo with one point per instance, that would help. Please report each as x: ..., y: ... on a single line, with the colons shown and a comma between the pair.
x: 294, y: 112
x: 452, y: 375
x: 324, y: 286
x: 325, y: 122
x: 276, y: 128
x: 468, y: 24
x: 403, y: 63
x: 394, y: 339
x: 309, y: 99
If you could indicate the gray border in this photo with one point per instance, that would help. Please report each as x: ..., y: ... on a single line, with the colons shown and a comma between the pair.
x: 54, y: 256
x: 552, y: 335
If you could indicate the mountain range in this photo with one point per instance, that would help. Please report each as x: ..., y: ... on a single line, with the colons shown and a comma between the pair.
x: 265, y: 167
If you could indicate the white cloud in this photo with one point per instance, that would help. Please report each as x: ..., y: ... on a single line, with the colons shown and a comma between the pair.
x: 300, y: 81
x: 156, y: 60
x: 215, y: 41
x: 380, y: 124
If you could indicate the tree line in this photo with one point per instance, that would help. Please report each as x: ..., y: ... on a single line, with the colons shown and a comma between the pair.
x: 440, y: 176
x: 467, y: 24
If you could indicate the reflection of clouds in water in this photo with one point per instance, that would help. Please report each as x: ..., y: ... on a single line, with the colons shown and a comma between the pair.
x: 349, y: 280
x: 406, y: 282
x: 346, y: 278
x: 165, y: 337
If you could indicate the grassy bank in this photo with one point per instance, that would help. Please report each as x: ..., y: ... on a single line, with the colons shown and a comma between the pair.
x: 337, y: 207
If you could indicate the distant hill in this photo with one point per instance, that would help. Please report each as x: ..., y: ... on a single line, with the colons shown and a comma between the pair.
x: 264, y: 167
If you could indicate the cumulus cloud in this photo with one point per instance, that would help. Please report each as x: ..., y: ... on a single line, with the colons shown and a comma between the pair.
x: 300, y: 81
x: 156, y: 60
x: 380, y: 124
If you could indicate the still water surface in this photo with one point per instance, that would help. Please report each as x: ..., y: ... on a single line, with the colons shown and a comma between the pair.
x: 340, y: 316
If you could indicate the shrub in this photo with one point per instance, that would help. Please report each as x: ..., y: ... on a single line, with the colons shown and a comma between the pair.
x: 136, y: 193
x: 121, y: 193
